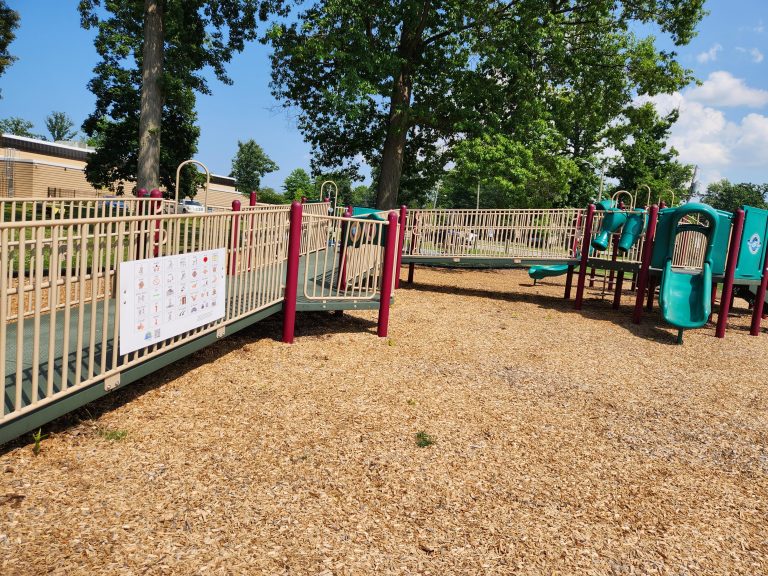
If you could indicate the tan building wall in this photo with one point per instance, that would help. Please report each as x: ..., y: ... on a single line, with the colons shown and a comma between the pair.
x: 29, y: 168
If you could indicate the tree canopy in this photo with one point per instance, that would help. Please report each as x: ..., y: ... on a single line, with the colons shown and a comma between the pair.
x: 725, y: 195
x: 60, y: 126
x: 249, y: 166
x: 19, y: 127
x: 297, y: 184
x: 399, y: 85
x: 9, y: 22
x: 646, y: 160
x: 152, y: 55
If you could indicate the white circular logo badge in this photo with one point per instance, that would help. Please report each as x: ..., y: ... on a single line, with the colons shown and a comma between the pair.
x: 754, y: 243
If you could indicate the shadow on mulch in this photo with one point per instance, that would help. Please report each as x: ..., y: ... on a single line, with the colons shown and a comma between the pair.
x: 307, y: 324
x: 651, y: 328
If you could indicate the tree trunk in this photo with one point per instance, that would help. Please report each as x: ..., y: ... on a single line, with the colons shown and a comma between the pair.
x: 151, y: 96
x: 394, y: 144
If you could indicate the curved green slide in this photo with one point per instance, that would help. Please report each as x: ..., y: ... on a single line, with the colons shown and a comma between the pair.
x: 612, y: 221
x: 539, y: 272
x: 685, y: 296
x: 632, y: 230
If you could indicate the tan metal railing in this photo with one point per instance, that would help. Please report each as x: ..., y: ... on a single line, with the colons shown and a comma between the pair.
x: 35, y: 209
x: 348, y: 262
x: 539, y: 234
x: 59, y: 281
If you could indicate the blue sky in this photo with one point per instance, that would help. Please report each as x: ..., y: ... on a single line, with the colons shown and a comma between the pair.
x: 723, y: 125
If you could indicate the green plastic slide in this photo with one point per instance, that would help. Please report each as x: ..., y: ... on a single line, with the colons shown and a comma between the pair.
x: 632, y: 230
x: 684, y: 295
x: 540, y: 272
x: 612, y: 221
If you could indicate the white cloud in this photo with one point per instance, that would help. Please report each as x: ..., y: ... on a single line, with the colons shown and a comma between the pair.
x: 710, y: 55
x: 754, y: 53
x: 723, y: 89
x: 703, y: 136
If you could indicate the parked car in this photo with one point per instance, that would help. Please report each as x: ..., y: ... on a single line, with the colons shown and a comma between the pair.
x: 112, y: 202
x: 188, y: 206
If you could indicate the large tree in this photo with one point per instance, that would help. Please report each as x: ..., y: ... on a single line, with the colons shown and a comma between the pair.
x: 249, y: 166
x: 371, y: 78
x: 19, y: 127
x: 60, y: 126
x: 9, y: 21
x: 725, y: 195
x: 152, y: 56
x: 297, y: 184
x: 646, y: 160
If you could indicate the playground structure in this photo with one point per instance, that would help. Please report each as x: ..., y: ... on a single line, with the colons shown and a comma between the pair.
x: 684, y: 252
x: 60, y: 265
x: 60, y: 268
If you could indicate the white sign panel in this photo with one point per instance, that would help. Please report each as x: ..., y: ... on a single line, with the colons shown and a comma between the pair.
x: 164, y: 297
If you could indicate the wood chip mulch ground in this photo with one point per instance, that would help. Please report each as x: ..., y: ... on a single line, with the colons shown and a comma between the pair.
x: 497, y: 431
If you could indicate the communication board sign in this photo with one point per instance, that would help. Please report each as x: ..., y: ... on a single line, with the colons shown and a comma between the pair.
x: 167, y: 296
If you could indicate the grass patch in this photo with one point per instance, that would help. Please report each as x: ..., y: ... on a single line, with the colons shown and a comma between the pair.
x: 38, y: 438
x: 113, y: 435
x: 423, y: 439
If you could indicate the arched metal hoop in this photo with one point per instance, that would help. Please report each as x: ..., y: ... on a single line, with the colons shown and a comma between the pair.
x: 207, y: 181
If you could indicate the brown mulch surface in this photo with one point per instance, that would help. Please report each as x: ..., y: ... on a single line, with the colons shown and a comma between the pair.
x: 564, y: 443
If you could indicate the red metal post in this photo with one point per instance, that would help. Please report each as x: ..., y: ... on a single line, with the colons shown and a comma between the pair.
x: 252, y: 199
x: 235, y: 236
x: 617, y: 292
x: 411, y: 269
x: 157, y: 208
x: 757, y: 312
x: 645, y: 263
x: 568, y: 283
x: 400, y: 244
x: 386, y: 276
x: 592, y: 273
x: 292, y: 274
x: 584, y: 257
x: 303, y: 199
x: 730, y: 271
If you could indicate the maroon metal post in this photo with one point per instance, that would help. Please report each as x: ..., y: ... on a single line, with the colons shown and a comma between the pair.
x: 411, y: 269
x: 386, y: 276
x: 645, y: 263
x: 568, y: 283
x: 292, y: 274
x: 584, y: 257
x: 303, y: 199
x: 157, y: 207
x: 730, y: 271
x: 235, y: 236
x: 592, y: 273
x: 252, y: 199
x: 617, y: 292
x: 757, y: 313
x: 400, y: 244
